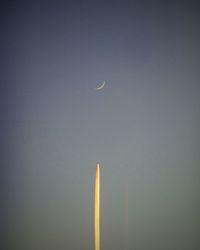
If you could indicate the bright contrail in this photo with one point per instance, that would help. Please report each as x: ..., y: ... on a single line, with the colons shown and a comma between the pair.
x: 97, y: 209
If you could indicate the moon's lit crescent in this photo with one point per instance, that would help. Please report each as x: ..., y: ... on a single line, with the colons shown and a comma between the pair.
x: 101, y: 86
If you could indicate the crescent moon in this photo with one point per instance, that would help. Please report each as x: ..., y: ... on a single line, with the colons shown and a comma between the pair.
x: 101, y: 86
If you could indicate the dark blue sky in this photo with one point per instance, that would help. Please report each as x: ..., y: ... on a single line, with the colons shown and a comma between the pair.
x: 143, y: 127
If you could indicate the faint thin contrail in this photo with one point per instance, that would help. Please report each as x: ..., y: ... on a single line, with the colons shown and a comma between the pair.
x: 97, y: 208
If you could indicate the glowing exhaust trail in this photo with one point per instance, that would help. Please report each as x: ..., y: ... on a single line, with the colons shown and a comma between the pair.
x: 97, y: 209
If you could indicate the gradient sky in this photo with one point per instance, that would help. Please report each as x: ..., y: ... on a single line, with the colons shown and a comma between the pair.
x: 143, y: 127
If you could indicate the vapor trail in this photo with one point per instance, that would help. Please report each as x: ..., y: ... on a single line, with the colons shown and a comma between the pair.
x: 97, y: 209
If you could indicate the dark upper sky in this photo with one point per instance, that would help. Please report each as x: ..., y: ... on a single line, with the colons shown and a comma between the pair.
x: 143, y: 126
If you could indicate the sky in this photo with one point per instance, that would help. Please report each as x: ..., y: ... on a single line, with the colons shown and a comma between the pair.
x: 142, y: 127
